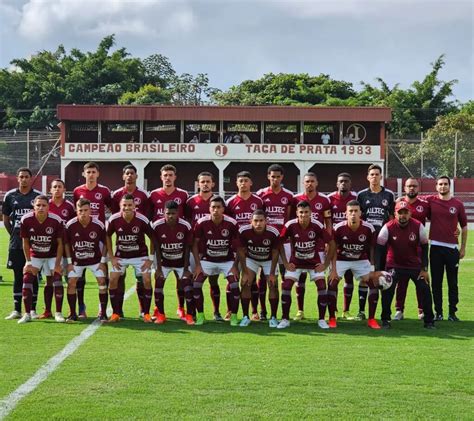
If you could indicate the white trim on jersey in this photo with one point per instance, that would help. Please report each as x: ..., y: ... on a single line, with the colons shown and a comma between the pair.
x: 295, y: 221
x: 137, y: 214
x: 162, y: 221
x: 94, y: 220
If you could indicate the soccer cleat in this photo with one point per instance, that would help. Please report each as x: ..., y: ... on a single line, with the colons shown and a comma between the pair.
x: 421, y: 315
x: 190, y: 320
x: 160, y: 319
x: 439, y: 317
x: 181, y: 313
x: 273, y: 322
x: 13, y: 315
x: 398, y: 315
x: 299, y: 315
x: 263, y: 316
x: 234, y: 321
x: 46, y: 315
x: 346, y: 315
x: 72, y: 318
x: 372, y: 323
x: 24, y: 319
x: 100, y: 317
x: 147, y: 318
x: 199, y: 319
x: 34, y: 315
x: 360, y: 316
x: 332, y: 323
x: 114, y: 318
x: 386, y: 324
x: 245, y: 321
x: 218, y: 317
x: 453, y: 318
x: 254, y: 317
x: 430, y: 326
x: 284, y: 323
x: 323, y: 324
x: 59, y: 317
x: 227, y: 315
x: 82, y: 312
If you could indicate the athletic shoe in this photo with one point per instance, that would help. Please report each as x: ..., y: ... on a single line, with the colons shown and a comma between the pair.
x: 386, y: 324
x: 372, y: 323
x: 398, y: 315
x: 284, y: 323
x: 218, y: 317
x: 332, y: 323
x: 263, y: 316
x: 155, y: 313
x: 323, y: 324
x: 273, y: 322
x: 59, y: 317
x: 114, y: 318
x: 453, y: 318
x: 82, y: 312
x: 181, y: 313
x: 234, y: 321
x: 430, y: 326
x: 46, y: 315
x: 199, y: 319
x: 244, y: 322
x: 421, y: 315
x: 190, y: 320
x: 227, y: 315
x: 346, y: 315
x: 439, y: 317
x: 24, y: 319
x: 161, y: 319
x: 72, y: 318
x: 255, y: 317
x: 299, y: 315
x: 147, y: 318
x: 34, y: 315
x: 360, y: 316
x: 13, y: 315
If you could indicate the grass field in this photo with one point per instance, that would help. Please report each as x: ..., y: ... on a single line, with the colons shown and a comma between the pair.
x: 135, y: 371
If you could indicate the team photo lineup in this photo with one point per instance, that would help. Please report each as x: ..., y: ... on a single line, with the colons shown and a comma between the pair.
x: 262, y: 241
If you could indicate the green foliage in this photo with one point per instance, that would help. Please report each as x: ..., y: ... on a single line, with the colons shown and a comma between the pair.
x: 147, y: 94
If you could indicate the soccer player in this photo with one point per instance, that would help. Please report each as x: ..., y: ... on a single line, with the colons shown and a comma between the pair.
x: 339, y: 200
x: 355, y: 241
x: 158, y: 198
x: 99, y: 197
x: 241, y: 206
x: 42, y: 236
x: 419, y: 210
x: 305, y: 235
x: 377, y: 205
x: 130, y: 228
x: 259, y: 248
x: 86, y: 248
x: 320, y: 211
x: 214, y: 236
x: 277, y: 203
x: 173, y: 241
x: 17, y: 203
x: 446, y: 214
x: 399, y: 243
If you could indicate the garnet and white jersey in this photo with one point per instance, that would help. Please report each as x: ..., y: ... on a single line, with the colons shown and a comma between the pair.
x: 376, y: 207
x: 66, y: 210
x: 276, y: 206
x: 86, y: 242
x: 99, y: 197
x: 159, y: 197
x: 130, y: 241
x: 140, y: 197
x: 304, y: 242
x: 171, y: 241
x: 419, y: 209
x: 445, y: 217
x: 242, y: 209
x: 339, y: 205
x: 216, y: 241
x: 43, y: 236
x: 403, y: 243
x: 196, y: 208
x: 259, y: 246
x: 354, y: 244
x: 320, y: 206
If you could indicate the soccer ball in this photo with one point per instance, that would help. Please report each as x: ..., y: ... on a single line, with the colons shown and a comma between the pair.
x: 385, y: 279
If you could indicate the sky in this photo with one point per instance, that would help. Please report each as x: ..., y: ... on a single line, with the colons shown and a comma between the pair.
x: 237, y: 40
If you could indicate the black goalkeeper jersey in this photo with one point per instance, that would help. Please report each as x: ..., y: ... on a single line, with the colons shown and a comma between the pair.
x: 376, y: 207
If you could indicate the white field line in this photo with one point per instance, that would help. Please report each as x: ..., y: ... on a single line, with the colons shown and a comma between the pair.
x: 9, y: 403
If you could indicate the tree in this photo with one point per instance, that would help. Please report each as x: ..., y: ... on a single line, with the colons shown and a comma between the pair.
x: 147, y: 94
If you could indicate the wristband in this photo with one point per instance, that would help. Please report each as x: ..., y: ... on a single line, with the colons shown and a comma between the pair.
x: 103, y: 260
x: 151, y: 257
x: 28, y: 261
x: 372, y: 268
x: 69, y: 260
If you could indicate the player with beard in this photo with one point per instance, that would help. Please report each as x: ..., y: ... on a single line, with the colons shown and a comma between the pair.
x: 377, y: 205
x: 17, y: 203
x: 339, y: 200
x: 158, y: 198
x: 320, y: 211
x: 277, y: 203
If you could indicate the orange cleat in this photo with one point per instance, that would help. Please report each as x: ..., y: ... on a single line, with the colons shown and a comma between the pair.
x: 372, y: 323
x: 114, y: 318
x: 46, y: 315
x: 190, y: 320
x: 332, y: 323
x: 181, y: 313
x: 147, y: 318
x: 160, y: 319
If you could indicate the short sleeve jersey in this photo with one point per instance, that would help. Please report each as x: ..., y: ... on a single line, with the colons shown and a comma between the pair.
x: 354, y: 244
x: 86, y: 242
x: 159, y: 197
x: 376, y: 207
x: 339, y: 205
x: 320, y: 205
x: 196, y: 208
x: 140, y: 197
x: 276, y: 206
x: 259, y: 246
x: 43, y: 236
x: 171, y: 241
x: 100, y: 198
x: 242, y: 209
x: 65, y: 210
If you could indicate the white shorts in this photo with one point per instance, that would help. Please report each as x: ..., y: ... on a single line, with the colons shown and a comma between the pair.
x: 192, y: 263
x: 213, y: 268
x: 78, y: 271
x: 136, y: 263
x: 254, y: 265
x: 359, y: 268
x: 45, y: 265
x: 313, y: 275
x: 177, y: 271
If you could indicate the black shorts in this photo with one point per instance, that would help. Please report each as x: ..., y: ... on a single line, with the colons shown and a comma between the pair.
x: 16, y: 259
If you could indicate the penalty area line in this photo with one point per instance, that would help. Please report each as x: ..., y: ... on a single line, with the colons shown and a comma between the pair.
x: 8, y: 404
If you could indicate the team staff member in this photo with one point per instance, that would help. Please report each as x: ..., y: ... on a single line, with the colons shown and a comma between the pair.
x: 446, y: 213
x: 17, y: 203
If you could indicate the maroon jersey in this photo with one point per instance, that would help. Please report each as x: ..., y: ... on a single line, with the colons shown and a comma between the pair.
x: 99, y: 197
x: 304, y: 242
x: 43, y: 236
x: 130, y: 241
x: 216, y: 241
x: 171, y: 240
x: 65, y: 210
x: 276, y: 206
x: 445, y: 216
x: 242, y: 209
x: 259, y: 245
x: 159, y: 197
x: 140, y: 197
x: 320, y: 205
x: 196, y: 208
x: 419, y: 209
x: 403, y: 243
x: 339, y: 205
x: 87, y: 242
x: 354, y: 244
